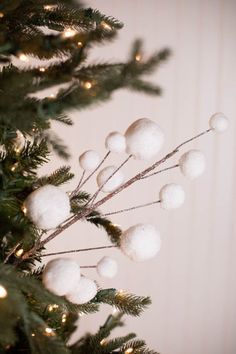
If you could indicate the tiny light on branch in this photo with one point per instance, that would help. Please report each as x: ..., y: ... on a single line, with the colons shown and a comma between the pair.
x: 19, y: 253
x: 68, y: 33
x: 106, y: 26
x: 129, y: 350
x: 42, y: 70
x: 49, y: 332
x: 23, y: 57
x: 87, y: 85
x: 3, y: 292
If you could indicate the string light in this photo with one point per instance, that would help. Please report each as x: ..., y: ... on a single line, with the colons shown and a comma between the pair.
x: 63, y: 319
x: 1, y: 15
x: 3, y: 292
x: 138, y: 57
x: 129, y: 350
x: 79, y: 44
x: 49, y: 7
x: 13, y: 168
x: 52, y: 96
x: 42, y: 70
x: 87, y: 85
x: 103, y: 341
x: 32, y: 334
x: 49, y: 332
x: 24, y: 209
x: 23, y: 57
x: 52, y: 307
x: 19, y: 252
x: 106, y: 26
x: 68, y: 33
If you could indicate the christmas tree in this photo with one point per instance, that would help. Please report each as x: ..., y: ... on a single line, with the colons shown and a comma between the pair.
x: 39, y: 306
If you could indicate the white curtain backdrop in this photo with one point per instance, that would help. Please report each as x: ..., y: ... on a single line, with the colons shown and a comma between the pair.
x: 192, y: 281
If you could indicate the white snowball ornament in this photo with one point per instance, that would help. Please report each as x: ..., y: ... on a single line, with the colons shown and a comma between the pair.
x: 140, y: 242
x: 192, y: 164
x: 61, y: 275
x: 107, y: 267
x: 84, y: 291
x: 219, y: 122
x: 114, y: 182
x: 171, y: 196
x: 89, y: 160
x: 47, y: 207
x: 115, y: 142
x: 144, y: 139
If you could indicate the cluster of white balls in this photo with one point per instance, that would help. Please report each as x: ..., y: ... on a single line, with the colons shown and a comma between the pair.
x: 62, y: 276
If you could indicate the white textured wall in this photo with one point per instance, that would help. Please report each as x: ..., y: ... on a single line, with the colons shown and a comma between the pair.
x: 192, y: 282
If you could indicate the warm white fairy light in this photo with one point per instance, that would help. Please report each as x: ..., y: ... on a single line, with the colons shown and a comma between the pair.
x: 42, y: 70
x: 49, y: 332
x: 19, y: 252
x: 52, y: 307
x: 32, y: 334
x: 106, y: 26
x: 79, y: 44
x: 23, y: 57
x: 52, y: 96
x: 49, y: 7
x: 138, y: 57
x: 68, y: 33
x: 13, y: 168
x: 24, y: 209
x: 63, y: 319
x: 3, y: 292
x: 87, y: 85
x: 129, y: 350
x: 103, y: 341
x: 1, y: 15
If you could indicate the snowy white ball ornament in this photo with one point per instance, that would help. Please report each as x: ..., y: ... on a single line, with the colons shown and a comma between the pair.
x: 171, y: 196
x: 47, y: 207
x: 84, y: 291
x: 61, y: 275
x: 144, y: 139
x: 192, y: 164
x: 89, y: 160
x: 219, y: 122
x: 114, y: 182
x: 107, y: 267
x: 140, y: 242
x: 115, y: 142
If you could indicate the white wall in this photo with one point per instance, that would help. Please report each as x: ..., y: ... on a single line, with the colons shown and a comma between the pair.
x: 192, y: 281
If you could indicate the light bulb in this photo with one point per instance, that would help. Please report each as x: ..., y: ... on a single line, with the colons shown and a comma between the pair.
x: 19, y: 252
x: 3, y: 292
x: 68, y: 33
x: 23, y: 57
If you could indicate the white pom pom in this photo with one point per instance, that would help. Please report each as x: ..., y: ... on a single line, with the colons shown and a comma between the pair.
x: 89, y: 160
x: 61, y: 275
x: 192, y: 164
x: 107, y: 267
x: 115, y: 142
x: 84, y: 291
x: 172, y: 196
x: 114, y: 182
x: 144, y: 139
x: 219, y: 122
x: 140, y: 242
x: 47, y: 207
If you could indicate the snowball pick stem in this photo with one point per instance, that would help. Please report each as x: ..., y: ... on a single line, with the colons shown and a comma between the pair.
x: 78, y: 250
x: 125, y: 185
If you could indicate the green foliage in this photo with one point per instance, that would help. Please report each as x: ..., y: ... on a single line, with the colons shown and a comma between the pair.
x: 127, y: 303
x: 39, y: 29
